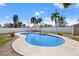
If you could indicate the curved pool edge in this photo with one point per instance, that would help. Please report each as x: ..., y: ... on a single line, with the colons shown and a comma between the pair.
x: 15, y: 42
x: 25, y: 49
x: 45, y: 40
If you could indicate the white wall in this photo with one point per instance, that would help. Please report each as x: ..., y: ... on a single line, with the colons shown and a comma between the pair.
x: 60, y: 29
x: 49, y: 29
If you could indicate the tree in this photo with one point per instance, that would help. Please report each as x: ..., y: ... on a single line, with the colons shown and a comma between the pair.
x: 39, y: 20
x: 59, y: 20
x: 24, y: 25
x: 19, y: 24
x: 54, y: 17
x: 11, y: 25
x: 36, y: 21
x: 33, y: 20
x: 62, y: 21
x: 15, y: 20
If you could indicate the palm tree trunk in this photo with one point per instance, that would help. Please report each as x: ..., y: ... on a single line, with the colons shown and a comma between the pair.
x: 56, y: 26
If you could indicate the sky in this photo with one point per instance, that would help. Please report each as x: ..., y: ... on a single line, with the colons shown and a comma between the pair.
x: 27, y: 10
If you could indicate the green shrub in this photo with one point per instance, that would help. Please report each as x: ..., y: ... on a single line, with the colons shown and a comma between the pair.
x: 12, y: 34
x: 59, y: 33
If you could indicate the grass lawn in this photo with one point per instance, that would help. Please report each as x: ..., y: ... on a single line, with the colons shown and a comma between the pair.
x: 75, y: 37
x: 4, y: 38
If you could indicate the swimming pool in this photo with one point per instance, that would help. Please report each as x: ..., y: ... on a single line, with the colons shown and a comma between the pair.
x: 43, y: 39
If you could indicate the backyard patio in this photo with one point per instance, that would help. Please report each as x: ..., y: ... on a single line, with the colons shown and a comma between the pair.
x: 69, y: 48
x: 49, y: 31
x: 71, y: 42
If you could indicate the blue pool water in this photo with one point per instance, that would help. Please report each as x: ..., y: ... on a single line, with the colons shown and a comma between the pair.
x: 43, y: 39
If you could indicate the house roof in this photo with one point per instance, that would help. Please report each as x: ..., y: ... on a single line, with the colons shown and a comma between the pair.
x: 76, y: 24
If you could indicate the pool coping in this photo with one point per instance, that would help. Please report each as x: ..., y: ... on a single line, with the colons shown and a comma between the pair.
x: 65, y: 49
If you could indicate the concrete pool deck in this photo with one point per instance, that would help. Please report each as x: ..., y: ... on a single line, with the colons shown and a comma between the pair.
x: 69, y: 48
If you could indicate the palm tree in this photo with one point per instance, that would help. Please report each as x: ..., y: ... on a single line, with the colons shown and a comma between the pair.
x: 19, y: 24
x: 39, y: 20
x: 59, y: 20
x: 34, y: 20
x: 62, y: 21
x: 15, y: 20
x: 10, y: 25
x: 24, y: 24
x: 54, y: 17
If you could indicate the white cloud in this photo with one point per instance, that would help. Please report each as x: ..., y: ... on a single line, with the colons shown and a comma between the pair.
x: 72, y: 21
x: 42, y: 11
x: 7, y: 17
x: 37, y: 13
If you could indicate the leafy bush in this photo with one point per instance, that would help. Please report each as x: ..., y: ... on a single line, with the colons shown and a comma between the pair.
x: 12, y: 34
x: 59, y: 33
